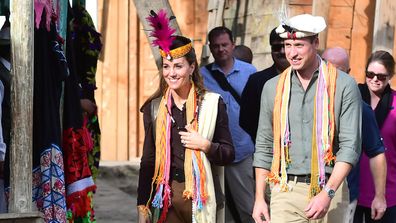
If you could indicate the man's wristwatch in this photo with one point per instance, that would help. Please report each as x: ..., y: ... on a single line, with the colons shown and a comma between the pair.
x: 330, y: 192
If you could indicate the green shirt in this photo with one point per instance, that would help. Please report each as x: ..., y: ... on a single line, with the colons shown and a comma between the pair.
x: 347, y: 137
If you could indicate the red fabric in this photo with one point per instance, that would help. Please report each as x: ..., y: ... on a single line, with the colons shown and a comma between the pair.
x: 80, y: 203
x: 76, y: 145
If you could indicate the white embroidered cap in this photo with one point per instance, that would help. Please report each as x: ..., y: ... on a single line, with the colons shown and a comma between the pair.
x: 300, y: 26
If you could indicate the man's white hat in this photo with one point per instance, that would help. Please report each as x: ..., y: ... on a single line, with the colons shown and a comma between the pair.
x: 301, y: 26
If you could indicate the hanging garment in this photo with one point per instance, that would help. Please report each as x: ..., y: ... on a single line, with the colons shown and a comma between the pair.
x: 81, y: 132
x: 48, y: 168
x: 87, y: 46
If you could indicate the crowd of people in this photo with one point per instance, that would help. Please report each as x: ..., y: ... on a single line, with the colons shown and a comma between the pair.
x: 300, y: 141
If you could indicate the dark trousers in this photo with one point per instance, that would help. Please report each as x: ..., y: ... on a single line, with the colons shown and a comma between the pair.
x: 365, y: 213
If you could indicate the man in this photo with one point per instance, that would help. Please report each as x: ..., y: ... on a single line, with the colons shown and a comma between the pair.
x: 250, y: 99
x: 244, y: 53
x: 309, y: 136
x: 228, y: 76
x: 372, y: 145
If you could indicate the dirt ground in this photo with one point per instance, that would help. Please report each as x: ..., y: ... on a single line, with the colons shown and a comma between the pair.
x: 115, y: 198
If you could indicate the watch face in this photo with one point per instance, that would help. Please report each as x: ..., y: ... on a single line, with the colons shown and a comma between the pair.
x: 331, y: 193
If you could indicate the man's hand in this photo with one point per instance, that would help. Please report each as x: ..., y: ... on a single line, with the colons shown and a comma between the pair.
x: 318, y: 206
x: 260, y: 212
x: 378, y: 207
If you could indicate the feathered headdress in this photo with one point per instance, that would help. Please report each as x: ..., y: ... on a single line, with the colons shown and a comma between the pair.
x: 163, y: 34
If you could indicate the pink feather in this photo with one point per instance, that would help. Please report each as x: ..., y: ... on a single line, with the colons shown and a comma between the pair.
x: 162, y: 30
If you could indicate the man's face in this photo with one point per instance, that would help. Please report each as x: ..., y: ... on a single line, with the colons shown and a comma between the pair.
x: 301, y: 53
x: 278, y: 55
x: 221, y: 47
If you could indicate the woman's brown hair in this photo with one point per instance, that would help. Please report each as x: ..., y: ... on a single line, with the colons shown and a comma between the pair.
x: 191, y: 58
x: 384, y: 58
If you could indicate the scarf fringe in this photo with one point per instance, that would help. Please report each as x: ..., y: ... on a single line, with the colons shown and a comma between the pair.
x: 187, y: 194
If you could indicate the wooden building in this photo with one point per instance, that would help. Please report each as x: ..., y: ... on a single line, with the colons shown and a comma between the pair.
x: 127, y: 73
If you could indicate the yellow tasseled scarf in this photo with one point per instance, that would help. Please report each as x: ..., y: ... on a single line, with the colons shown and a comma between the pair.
x: 198, y: 175
x: 322, y: 131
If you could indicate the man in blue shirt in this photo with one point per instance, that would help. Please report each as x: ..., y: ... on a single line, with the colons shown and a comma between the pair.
x: 371, y: 145
x: 228, y: 76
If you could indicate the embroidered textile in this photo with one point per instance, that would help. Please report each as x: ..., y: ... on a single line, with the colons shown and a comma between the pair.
x: 49, y: 185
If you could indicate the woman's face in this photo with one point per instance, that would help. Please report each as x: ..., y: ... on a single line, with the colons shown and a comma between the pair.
x: 177, y: 73
x: 377, y: 77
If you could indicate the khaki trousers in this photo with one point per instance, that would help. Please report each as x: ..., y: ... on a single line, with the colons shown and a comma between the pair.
x: 289, y: 206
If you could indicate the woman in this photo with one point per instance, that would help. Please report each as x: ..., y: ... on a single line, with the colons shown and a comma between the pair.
x: 186, y: 130
x: 377, y: 93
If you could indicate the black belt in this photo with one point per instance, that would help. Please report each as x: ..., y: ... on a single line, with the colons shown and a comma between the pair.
x: 303, y: 178
x: 178, y: 175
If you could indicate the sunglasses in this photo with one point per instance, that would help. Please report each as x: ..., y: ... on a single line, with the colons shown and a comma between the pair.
x: 380, y: 77
x: 277, y: 47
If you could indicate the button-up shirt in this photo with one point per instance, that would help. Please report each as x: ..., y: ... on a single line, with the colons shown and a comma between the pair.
x: 347, y: 136
x: 237, y: 77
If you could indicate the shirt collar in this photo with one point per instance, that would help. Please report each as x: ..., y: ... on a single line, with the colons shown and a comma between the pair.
x: 235, y: 68
x: 175, y: 106
x: 316, y: 72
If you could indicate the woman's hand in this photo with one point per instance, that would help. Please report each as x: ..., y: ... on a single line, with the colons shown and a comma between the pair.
x: 193, y: 140
x: 143, y: 217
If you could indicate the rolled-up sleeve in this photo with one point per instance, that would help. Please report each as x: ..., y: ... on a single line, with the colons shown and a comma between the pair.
x: 264, y: 138
x: 350, y: 122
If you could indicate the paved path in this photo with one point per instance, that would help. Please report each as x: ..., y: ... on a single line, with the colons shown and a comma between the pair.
x: 115, y: 200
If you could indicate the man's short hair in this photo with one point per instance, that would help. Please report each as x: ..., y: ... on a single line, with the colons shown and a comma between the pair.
x: 274, y: 37
x: 217, y: 31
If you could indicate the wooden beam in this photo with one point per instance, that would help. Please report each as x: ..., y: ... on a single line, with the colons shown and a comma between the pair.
x: 143, y: 8
x: 22, y: 48
x: 215, y: 18
x: 35, y: 217
x: 122, y: 81
x: 322, y: 8
x: 361, y: 37
x: 384, y: 25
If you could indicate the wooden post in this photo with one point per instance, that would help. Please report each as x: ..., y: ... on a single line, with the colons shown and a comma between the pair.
x: 22, y: 106
x: 322, y: 8
x: 143, y: 8
x: 22, y: 54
